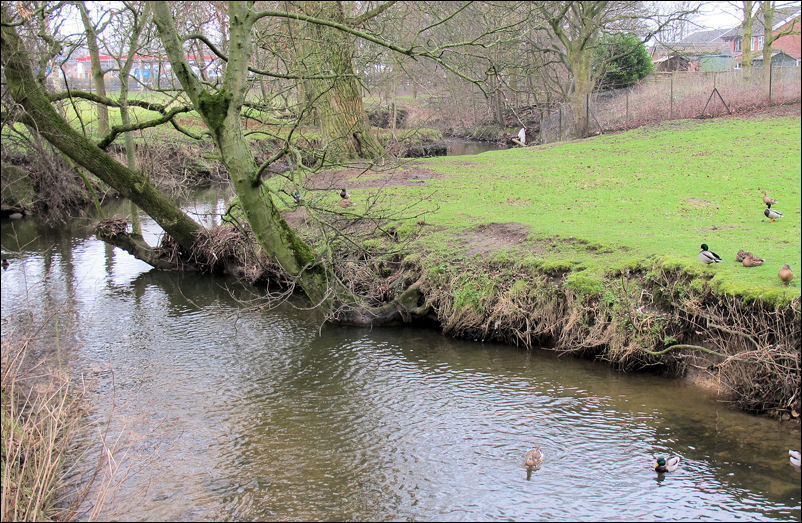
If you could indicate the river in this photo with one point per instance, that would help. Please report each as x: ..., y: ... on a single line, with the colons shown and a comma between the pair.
x: 229, y: 412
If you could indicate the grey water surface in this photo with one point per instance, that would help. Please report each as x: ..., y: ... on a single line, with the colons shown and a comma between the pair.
x: 229, y: 412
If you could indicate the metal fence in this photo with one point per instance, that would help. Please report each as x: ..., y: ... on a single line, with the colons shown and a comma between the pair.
x: 671, y: 96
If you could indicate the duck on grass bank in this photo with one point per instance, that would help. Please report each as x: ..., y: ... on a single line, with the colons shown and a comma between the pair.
x: 752, y: 261
x: 771, y: 214
x: 345, y: 201
x: 768, y: 199
x: 708, y: 256
x: 664, y: 465
x: 786, y: 275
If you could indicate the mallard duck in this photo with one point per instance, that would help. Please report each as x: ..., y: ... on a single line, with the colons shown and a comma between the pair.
x: 768, y: 199
x: 708, y: 256
x: 752, y: 261
x: 534, y: 457
x: 786, y: 275
x: 296, y: 197
x: 344, y: 194
x: 771, y: 214
x: 796, y: 458
x: 741, y: 254
x: 664, y: 465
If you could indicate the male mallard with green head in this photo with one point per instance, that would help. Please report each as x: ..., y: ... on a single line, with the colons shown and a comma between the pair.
x: 796, y: 458
x: 344, y: 201
x: 708, y: 256
x: 666, y: 465
x: 771, y: 214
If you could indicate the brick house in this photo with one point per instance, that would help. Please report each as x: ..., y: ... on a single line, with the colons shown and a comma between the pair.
x: 787, y: 21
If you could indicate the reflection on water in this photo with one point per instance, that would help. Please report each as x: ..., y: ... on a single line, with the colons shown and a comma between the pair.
x: 458, y: 147
x: 231, y: 413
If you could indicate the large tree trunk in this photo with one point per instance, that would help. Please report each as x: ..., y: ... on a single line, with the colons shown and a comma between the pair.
x: 746, y: 41
x: 337, y: 101
x: 39, y: 112
x: 768, y: 22
x: 222, y: 114
x: 97, y: 71
x: 579, y: 58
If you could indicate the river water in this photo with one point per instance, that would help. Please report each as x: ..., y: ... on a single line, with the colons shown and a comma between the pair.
x: 229, y: 412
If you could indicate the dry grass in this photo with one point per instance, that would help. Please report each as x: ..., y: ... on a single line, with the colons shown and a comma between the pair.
x: 40, y: 412
x: 679, y: 95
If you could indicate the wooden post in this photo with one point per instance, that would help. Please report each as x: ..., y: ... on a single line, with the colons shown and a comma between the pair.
x: 560, y: 128
x: 587, y: 115
x: 771, y: 70
x: 626, y: 118
x: 671, y: 102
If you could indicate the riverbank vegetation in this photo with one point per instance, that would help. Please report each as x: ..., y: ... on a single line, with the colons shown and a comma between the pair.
x: 40, y: 411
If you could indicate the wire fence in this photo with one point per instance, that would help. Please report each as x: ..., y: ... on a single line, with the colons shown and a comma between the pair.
x: 677, y: 95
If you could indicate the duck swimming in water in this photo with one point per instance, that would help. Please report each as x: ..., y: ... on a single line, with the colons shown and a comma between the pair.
x: 796, y: 458
x: 666, y: 465
x: 708, y: 256
x: 534, y: 457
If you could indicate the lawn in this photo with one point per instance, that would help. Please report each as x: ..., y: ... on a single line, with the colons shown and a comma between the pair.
x: 651, y: 194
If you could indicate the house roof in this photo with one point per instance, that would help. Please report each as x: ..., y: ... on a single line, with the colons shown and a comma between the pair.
x: 782, y: 15
x: 703, y: 37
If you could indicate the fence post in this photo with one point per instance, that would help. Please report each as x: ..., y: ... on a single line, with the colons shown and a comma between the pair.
x: 587, y: 115
x: 560, y: 127
x: 771, y: 70
x: 671, y: 103
x: 626, y: 118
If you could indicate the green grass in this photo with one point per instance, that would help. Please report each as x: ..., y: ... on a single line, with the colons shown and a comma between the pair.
x: 651, y: 194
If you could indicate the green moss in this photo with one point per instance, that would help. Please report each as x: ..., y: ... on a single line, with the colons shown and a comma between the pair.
x: 215, y: 107
x: 473, y: 292
x: 584, y: 284
x: 519, y: 289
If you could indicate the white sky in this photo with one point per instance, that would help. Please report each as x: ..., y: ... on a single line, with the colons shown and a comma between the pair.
x: 719, y: 15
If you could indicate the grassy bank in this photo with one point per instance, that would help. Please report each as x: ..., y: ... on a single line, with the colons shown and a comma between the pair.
x: 603, y: 204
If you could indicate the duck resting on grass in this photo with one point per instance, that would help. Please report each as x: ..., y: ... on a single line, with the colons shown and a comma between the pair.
x: 345, y: 202
x: 796, y: 458
x: 786, y: 275
x: 771, y: 214
x: 670, y: 465
x: 741, y: 254
x: 768, y: 199
x: 752, y: 261
x: 708, y: 256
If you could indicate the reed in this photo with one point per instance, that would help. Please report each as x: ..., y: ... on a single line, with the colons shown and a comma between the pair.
x: 40, y: 410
